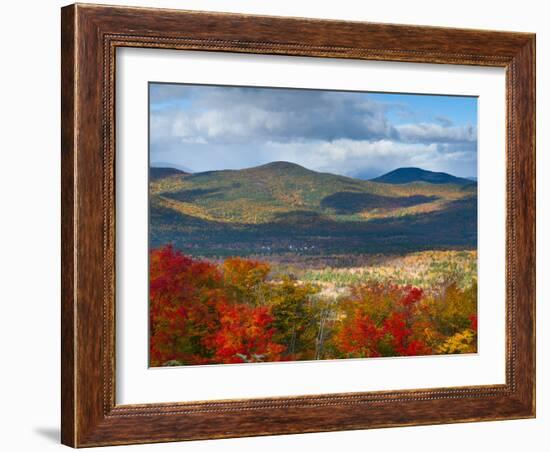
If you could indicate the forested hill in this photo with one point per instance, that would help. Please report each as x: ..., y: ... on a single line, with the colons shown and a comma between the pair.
x: 282, y: 206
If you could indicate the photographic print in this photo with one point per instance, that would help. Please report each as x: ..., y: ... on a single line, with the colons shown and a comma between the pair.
x: 298, y: 224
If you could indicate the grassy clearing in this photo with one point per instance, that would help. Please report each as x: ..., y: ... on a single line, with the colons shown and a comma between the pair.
x: 426, y: 269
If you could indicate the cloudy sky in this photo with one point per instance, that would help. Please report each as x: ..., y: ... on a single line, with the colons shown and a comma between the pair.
x: 357, y: 134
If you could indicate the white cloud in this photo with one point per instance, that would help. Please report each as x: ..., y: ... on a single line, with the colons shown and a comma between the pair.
x: 346, y: 133
x: 352, y: 156
x: 235, y: 115
x: 436, y: 133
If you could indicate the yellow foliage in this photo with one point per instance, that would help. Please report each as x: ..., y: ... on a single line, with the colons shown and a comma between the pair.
x: 462, y: 342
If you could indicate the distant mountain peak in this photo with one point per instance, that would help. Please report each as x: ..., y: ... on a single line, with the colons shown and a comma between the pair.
x: 170, y: 165
x: 409, y: 175
x: 156, y: 172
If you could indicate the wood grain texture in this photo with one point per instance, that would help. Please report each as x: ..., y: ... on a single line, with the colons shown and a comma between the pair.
x: 67, y: 226
x: 90, y: 36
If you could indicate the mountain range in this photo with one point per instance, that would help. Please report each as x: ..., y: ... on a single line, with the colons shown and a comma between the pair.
x: 282, y: 207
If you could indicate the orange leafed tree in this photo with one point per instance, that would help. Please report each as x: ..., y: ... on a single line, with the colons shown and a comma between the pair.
x: 244, y: 279
x: 196, y: 315
x: 245, y: 334
x: 183, y: 297
x: 382, y: 321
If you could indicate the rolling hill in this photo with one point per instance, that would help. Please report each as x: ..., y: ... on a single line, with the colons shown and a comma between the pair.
x: 282, y: 207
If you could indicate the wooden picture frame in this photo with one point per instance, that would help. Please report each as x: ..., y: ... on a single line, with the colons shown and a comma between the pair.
x: 90, y: 36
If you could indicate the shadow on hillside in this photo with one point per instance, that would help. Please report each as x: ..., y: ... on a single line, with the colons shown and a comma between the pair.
x: 346, y: 202
x: 308, y: 232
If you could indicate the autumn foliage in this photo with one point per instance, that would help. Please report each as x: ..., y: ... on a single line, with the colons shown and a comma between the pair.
x: 384, y: 321
x: 196, y: 313
x: 203, y: 312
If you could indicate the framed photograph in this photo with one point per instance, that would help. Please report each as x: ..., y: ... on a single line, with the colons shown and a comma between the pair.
x: 281, y: 225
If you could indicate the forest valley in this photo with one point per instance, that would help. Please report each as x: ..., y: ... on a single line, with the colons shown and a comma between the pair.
x: 243, y: 310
